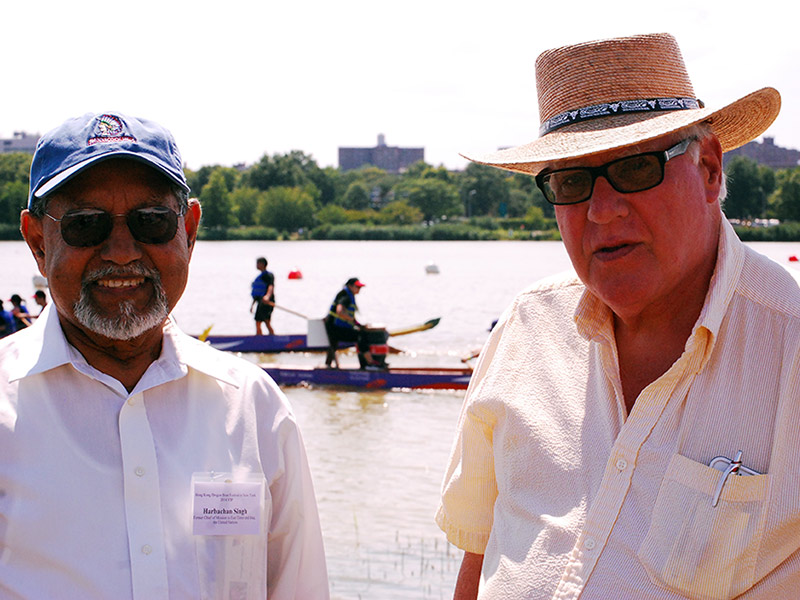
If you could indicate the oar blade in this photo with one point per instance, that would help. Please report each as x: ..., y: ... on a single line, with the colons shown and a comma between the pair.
x: 413, y: 329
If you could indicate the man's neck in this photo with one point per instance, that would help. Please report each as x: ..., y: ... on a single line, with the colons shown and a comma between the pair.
x: 650, y: 343
x: 646, y: 353
x: 124, y: 360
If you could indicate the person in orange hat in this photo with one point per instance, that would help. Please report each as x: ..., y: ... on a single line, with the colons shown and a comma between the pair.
x: 40, y: 297
x: 341, y: 325
x: 630, y: 430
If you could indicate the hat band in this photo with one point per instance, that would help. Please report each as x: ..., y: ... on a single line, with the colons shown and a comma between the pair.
x: 617, y: 108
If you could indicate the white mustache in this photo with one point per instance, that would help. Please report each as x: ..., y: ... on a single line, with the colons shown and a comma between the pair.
x: 110, y: 272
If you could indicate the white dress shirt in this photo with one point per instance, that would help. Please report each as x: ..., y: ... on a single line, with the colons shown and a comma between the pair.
x: 96, y: 484
x: 567, y: 496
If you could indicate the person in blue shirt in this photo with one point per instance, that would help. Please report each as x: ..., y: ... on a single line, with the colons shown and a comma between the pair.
x: 19, y: 311
x: 7, y: 325
x: 263, y: 294
x: 341, y: 325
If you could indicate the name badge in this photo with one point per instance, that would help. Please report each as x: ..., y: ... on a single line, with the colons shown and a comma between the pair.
x: 225, y: 504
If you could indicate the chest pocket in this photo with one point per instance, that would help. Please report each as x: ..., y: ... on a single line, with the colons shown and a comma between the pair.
x: 695, y: 549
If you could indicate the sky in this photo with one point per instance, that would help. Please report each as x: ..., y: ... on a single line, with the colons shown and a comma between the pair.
x: 236, y: 79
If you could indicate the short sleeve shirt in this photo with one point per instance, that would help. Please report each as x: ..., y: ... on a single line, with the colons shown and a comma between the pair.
x: 567, y: 496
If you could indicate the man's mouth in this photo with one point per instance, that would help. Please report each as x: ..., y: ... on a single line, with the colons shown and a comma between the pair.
x: 120, y: 283
x: 608, y: 253
x: 609, y: 249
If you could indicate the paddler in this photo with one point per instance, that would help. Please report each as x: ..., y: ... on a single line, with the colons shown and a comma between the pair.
x: 341, y: 324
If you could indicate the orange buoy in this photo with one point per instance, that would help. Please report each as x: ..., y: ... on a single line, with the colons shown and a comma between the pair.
x: 296, y: 274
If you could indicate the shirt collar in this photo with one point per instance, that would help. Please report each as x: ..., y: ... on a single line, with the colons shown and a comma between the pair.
x: 47, y: 348
x: 594, y: 319
x: 36, y: 356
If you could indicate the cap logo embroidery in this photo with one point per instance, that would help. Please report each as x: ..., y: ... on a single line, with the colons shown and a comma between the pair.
x: 109, y: 128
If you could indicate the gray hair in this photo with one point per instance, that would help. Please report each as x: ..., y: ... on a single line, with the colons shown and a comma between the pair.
x: 701, y: 131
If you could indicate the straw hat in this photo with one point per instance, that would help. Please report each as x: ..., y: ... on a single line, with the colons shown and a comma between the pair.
x: 609, y: 94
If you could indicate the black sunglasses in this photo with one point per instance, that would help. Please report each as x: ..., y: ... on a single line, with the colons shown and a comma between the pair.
x: 87, y: 227
x: 627, y: 175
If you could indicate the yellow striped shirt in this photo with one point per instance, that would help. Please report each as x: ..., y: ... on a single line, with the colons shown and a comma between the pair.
x: 567, y: 496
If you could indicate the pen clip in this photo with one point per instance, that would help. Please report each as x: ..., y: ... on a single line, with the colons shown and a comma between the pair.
x: 732, y: 469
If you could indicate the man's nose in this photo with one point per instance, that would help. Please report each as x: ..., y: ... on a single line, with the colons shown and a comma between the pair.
x: 606, y: 203
x: 120, y: 248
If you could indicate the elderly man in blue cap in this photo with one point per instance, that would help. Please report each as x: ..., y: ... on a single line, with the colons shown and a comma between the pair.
x: 135, y: 461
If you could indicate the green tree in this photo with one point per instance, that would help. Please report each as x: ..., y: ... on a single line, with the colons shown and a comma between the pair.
x: 483, y: 189
x: 535, y: 219
x: 244, y: 201
x: 519, y: 202
x: 332, y: 214
x: 13, y: 198
x: 785, y: 201
x: 286, y: 208
x: 422, y: 170
x: 15, y: 166
x: 357, y: 196
x: 14, y: 180
x: 527, y: 183
x: 378, y: 182
x: 434, y: 197
x: 748, y: 188
x: 400, y: 212
x: 197, y: 180
x: 216, y: 202
x: 295, y: 169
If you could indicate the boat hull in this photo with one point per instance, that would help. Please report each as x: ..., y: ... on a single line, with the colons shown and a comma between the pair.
x: 433, y: 378
x: 265, y: 343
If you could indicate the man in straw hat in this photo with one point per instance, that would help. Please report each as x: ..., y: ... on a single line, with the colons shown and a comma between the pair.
x: 631, y: 432
x: 135, y: 461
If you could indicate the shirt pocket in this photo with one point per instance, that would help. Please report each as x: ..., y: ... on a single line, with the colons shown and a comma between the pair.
x: 695, y: 549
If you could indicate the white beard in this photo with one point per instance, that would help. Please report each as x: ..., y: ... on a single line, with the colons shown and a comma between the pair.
x: 127, y: 324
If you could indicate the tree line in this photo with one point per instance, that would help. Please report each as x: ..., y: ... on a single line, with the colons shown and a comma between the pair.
x: 288, y: 195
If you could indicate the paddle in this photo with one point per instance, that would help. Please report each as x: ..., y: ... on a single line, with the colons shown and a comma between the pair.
x: 289, y: 310
x: 202, y: 337
x: 413, y: 329
x: 430, y: 324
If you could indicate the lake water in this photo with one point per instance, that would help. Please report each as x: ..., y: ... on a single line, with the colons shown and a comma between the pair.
x: 377, y: 457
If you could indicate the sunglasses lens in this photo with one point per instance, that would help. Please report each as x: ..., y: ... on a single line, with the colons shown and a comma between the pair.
x: 153, y: 225
x: 85, y: 228
x: 636, y: 173
x: 568, y: 186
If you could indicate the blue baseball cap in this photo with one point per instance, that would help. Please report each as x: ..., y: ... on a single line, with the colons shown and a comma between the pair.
x: 83, y: 141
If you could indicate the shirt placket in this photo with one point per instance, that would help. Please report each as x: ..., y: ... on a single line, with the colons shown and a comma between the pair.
x: 142, y: 502
x: 618, y: 474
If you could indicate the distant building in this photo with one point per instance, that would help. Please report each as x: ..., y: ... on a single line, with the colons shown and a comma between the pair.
x: 389, y: 158
x: 21, y: 142
x: 768, y: 154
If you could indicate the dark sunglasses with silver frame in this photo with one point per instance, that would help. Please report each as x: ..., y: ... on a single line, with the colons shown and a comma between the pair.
x: 629, y: 174
x: 86, y: 227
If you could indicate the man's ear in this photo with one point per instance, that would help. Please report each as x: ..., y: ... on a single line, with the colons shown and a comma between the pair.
x: 31, y: 229
x: 192, y: 221
x: 710, y: 164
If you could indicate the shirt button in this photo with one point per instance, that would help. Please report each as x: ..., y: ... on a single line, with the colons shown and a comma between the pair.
x: 139, y: 471
x: 147, y: 549
x: 589, y: 543
x: 131, y: 401
x: 622, y: 464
